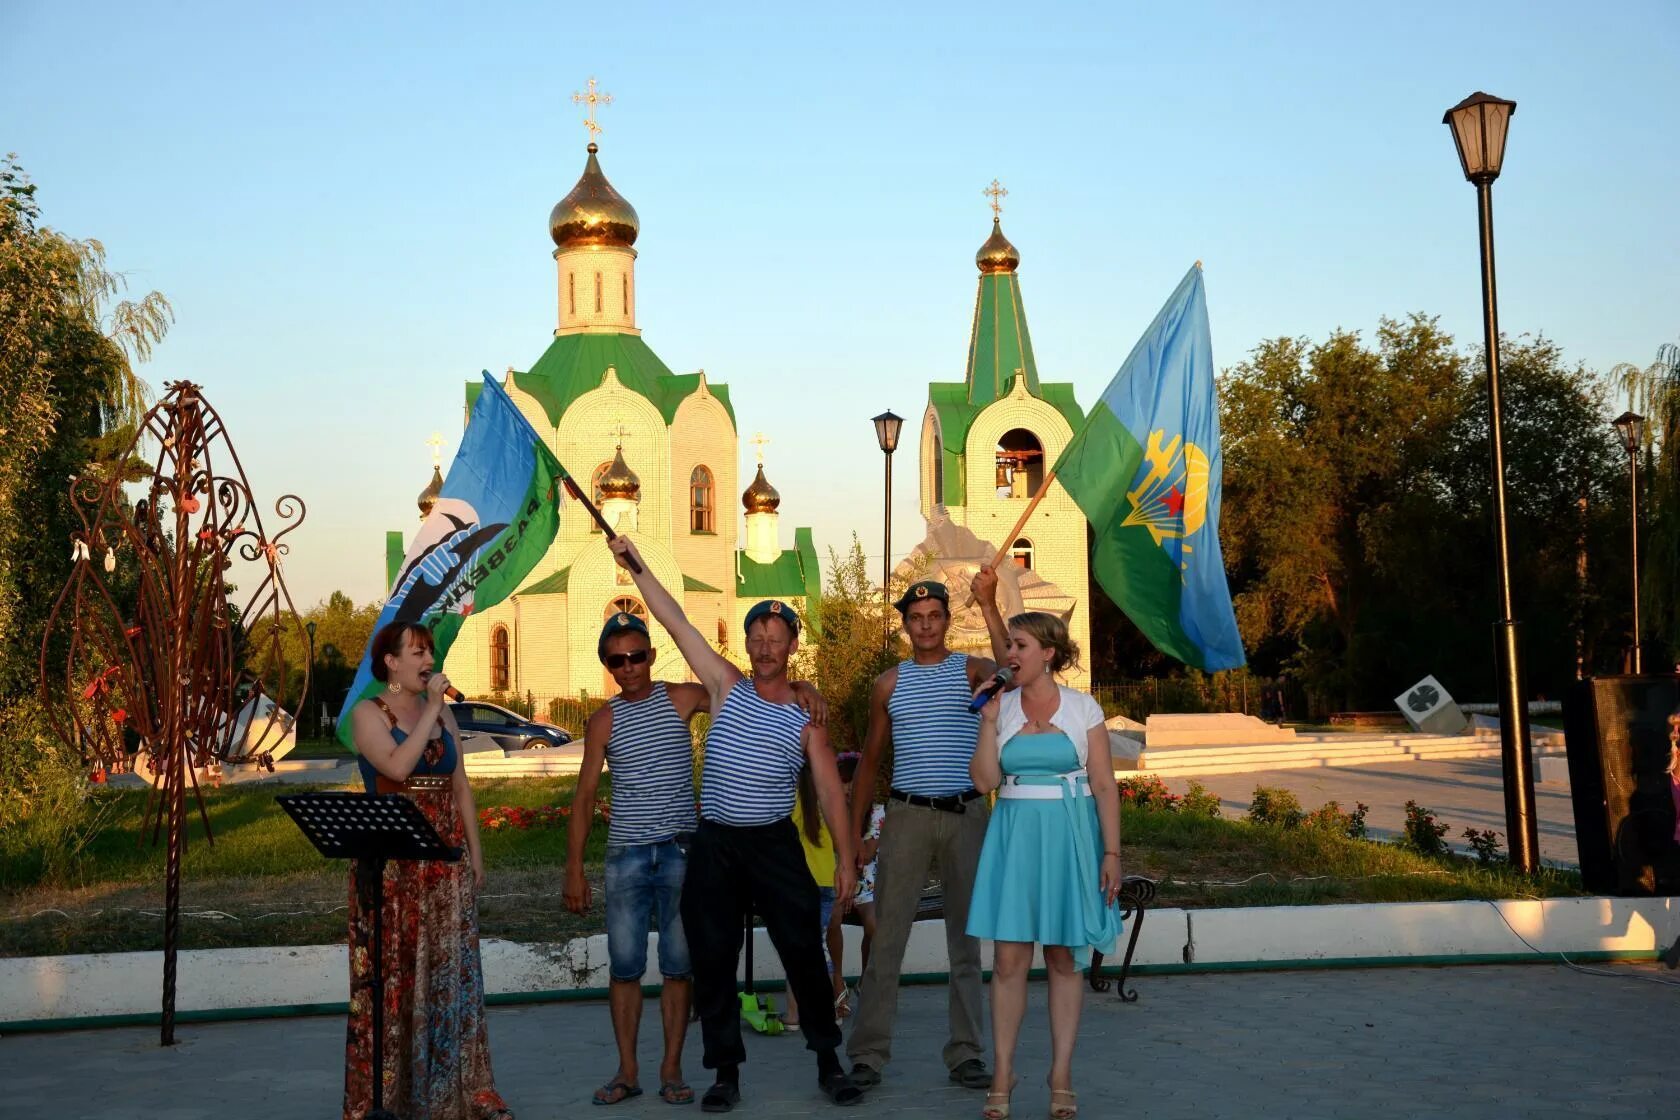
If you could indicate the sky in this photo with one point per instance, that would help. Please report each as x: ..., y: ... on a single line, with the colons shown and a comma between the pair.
x: 348, y: 208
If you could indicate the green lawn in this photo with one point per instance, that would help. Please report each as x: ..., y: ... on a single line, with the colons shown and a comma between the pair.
x: 262, y: 884
x: 318, y: 748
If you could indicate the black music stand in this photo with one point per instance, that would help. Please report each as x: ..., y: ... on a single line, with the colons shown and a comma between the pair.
x: 369, y: 830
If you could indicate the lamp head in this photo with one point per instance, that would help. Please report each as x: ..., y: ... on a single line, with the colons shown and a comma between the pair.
x: 1478, y: 126
x: 886, y: 431
x: 1631, y: 427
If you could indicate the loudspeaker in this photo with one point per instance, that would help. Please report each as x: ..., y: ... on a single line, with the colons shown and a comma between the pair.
x: 1616, y: 736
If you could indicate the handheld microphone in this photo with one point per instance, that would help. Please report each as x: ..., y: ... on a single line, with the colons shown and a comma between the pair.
x: 451, y: 691
x: 1000, y: 681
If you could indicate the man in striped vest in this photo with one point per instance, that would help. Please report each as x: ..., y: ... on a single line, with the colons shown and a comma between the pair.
x: 642, y: 736
x: 746, y: 853
x: 935, y: 819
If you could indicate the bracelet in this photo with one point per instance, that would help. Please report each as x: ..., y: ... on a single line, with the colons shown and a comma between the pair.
x: 1116, y: 855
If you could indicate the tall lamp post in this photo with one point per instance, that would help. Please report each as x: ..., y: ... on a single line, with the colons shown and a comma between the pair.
x: 886, y: 434
x: 1478, y: 126
x: 308, y: 712
x: 1631, y: 427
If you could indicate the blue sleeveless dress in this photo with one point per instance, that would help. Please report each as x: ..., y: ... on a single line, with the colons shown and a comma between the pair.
x: 1040, y: 870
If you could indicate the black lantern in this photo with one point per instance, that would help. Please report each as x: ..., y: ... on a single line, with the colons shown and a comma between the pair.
x: 1631, y: 427
x: 886, y: 431
x: 1478, y: 126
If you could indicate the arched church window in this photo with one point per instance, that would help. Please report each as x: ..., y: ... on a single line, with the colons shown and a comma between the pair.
x: 938, y: 472
x: 1021, y: 553
x: 625, y: 604
x: 626, y: 279
x: 571, y: 293
x: 1020, y: 464
x: 500, y: 662
x: 597, y: 293
x: 701, y: 503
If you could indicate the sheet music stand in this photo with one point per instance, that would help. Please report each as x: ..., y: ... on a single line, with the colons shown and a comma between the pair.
x: 370, y: 830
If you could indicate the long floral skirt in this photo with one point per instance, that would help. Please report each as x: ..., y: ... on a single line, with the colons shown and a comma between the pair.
x: 435, y: 1053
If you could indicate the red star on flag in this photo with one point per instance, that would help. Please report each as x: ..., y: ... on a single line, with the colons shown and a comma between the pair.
x: 1174, y: 501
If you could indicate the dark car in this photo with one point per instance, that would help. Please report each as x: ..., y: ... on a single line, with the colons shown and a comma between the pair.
x: 510, y: 729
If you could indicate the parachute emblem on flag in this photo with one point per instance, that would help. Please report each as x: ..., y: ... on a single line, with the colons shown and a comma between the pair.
x: 1170, y: 498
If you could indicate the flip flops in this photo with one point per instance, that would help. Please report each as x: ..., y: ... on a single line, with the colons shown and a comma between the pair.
x: 676, y: 1092
x: 605, y: 1094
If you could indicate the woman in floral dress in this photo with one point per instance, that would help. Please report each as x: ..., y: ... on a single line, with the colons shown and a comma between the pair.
x: 435, y: 1053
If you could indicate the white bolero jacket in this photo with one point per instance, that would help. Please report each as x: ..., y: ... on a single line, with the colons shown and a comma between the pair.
x: 1074, y: 717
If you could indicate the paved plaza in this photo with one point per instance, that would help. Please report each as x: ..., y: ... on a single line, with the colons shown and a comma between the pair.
x: 1512, y: 1041
x: 1464, y: 793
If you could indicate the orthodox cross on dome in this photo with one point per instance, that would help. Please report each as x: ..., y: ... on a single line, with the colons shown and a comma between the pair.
x: 759, y: 441
x: 618, y: 433
x: 436, y: 444
x: 591, y: 99
x: 996, y: 193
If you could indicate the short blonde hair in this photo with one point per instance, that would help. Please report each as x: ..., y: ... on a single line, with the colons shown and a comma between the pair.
x: 1050, y: 632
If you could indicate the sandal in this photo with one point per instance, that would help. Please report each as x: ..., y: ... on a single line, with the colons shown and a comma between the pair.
x: 843, y: 1004
x: 625, y: 1091
x: 721, y: 1097
x: 997, y: 1103
x: 1067, y: 1107
x: 676, y: 1092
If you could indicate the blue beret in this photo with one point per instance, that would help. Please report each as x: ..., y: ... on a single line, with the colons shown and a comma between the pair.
x: 620, y: 623
x: 773, y: 608
x: 923, y: 589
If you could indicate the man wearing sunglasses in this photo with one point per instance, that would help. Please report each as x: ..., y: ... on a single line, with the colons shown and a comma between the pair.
x: 746, y: 851
x: 642, y: 736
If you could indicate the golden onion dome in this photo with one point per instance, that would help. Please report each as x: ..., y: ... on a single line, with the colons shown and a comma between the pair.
x: 429, y: 496
x: 594, y: 213
x: 997, y: 254
x: 761, y: 497
x: 620, y: 481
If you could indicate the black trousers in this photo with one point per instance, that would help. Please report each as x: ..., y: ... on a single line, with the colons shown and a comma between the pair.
x: 729, y: 869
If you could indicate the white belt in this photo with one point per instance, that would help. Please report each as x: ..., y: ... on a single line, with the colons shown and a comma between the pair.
x: 1045, y: 787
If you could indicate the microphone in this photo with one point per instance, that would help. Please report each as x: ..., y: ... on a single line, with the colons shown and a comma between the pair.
x: 450, y: 691
x: 1000, y: 681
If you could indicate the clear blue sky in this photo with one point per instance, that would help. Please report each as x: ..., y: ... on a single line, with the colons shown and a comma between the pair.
x: 348, y: 209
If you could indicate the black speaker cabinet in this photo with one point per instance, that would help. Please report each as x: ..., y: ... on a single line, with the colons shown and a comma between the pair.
x: 1616, y: 735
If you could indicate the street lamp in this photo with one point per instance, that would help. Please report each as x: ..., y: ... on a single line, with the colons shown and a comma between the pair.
x: 886, y: 434
x: 1631, y: 427
x: 1478, y: 126
x: 308, y: 714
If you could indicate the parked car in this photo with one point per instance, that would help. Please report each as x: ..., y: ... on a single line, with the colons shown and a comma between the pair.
x: 510, y: 730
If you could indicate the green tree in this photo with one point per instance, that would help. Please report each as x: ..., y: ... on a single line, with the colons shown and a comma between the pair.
x: 342, y: 633
x: 853, y: 650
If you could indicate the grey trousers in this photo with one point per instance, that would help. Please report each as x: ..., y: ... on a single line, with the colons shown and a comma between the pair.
x: 914, y: 841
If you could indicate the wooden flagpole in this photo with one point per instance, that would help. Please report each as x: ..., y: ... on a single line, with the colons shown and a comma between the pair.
x: 1021, y: 523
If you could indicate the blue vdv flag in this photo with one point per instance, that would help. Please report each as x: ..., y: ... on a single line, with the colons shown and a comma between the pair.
x: 1145, y: 469
x: 493, y: 522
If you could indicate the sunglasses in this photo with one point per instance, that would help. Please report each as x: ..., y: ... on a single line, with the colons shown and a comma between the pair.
x: 620, y: 660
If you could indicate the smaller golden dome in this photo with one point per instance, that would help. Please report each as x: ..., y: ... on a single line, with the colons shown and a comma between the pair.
x: 620, y: 481
x: 429, y: 496
x: 594, y: 213
x: 761, y: 497
x: 997, y: 254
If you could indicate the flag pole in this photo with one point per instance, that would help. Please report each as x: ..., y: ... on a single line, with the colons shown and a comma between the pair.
x: 1021, y: 523
x: 578, y: 496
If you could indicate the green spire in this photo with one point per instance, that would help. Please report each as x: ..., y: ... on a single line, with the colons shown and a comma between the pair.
x: 1000, y: 343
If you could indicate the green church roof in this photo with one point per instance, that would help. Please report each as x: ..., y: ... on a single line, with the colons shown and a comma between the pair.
x: 575, y: 364
x: 550, y: 585
x: 794, y: 574
x: 692, y: 584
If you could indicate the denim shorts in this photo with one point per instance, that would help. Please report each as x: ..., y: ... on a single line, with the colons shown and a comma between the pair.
x: 644, y: 891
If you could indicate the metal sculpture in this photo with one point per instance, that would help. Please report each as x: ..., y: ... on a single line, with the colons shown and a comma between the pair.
x: 159, y: 663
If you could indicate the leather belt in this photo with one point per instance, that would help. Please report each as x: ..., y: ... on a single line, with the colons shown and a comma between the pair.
x: 952, y: 803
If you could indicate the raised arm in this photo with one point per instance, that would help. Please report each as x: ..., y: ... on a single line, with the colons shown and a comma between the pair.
x: 984, y: 588
x: 596, y: 733
x: 713, y: 669
x: 874, y: 746
x: 371, y: 733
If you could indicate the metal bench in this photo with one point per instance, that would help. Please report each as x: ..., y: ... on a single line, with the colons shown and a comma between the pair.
x: 1136, y: 895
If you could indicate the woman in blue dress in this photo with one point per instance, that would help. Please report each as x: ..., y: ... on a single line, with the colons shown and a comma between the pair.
x: 1050, y: 867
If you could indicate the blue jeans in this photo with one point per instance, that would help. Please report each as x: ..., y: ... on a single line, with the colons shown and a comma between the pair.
x: 828, y: 897
x: 645, y: 881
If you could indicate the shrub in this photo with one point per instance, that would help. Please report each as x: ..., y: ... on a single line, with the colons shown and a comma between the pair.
x: 1199, y: 801
x: 1275, y: 806
x: 1486, y: 846
x: 1423, y: 832
x: 47, y: 818
x: 1331, y: 818
x: 1147, y: 792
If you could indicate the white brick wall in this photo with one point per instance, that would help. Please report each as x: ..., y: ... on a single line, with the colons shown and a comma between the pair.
x: 578, y: 270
